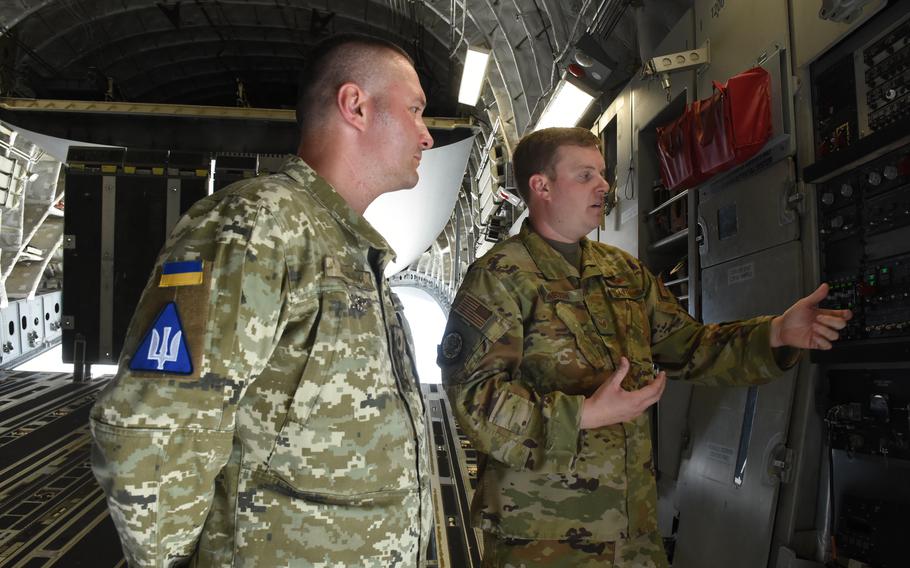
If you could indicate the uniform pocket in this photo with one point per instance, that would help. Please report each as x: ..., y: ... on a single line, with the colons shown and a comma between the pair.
x: 574, y: 317
x: 512, y: 412
x: 633, y: 332
x: 348, y: 432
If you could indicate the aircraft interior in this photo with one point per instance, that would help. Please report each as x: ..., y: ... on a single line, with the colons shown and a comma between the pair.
x: 117, y: 115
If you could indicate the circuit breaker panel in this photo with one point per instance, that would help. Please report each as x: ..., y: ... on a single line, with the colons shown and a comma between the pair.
x: 861, y: 115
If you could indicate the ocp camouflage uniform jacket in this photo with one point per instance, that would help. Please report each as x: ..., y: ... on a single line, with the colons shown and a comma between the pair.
x: 529, y: 338
x: 298, y: 439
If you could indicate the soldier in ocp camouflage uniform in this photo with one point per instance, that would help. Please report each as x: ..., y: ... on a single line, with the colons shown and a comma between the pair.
x: 549, y: 360
x: 266, y: 411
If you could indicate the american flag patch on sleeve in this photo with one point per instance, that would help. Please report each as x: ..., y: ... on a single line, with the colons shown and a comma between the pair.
x: 472, y: 311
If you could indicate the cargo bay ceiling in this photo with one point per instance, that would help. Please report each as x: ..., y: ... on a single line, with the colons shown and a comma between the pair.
x: 225, y: 52
x: 248, y: 54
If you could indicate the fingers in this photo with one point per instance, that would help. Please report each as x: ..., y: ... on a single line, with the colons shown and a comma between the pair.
x: 825, y: 331
x: 819, y: 295
x: 833, y: 322
x: 651, y: 393
x: 620, y: 373
x: 819, y: 342
x: 655, y: 390
x: 846, y: 315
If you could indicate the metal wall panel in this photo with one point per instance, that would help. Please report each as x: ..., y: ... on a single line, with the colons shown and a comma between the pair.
x: 31, y: 318
x: 118, y: 209
x: 727, y: 494
x: 749, y: 214
x: 10, y: 342
x: 82, y: 253
x: 744, y: 35
x: 141, y: 212
x: 53, y: 309
x: 740, y: 33
x: 649, y: 98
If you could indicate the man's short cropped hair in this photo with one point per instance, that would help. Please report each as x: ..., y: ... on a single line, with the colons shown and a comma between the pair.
x: 340, y: 59
x: 537, y: 152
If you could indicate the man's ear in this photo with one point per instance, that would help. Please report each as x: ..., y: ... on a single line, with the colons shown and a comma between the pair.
x: 351, y: 102
x: 540, y: 186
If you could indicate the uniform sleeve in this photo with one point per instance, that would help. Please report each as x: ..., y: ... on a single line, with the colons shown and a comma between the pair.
x: 162, y: 438
x: 737, y: 353
x: 480, y: 357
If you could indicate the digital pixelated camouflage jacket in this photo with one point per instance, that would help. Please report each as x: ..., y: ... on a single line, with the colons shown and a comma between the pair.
x: 529, y: 338
x: 298, y: 440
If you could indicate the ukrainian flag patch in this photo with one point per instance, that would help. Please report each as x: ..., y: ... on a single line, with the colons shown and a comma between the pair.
x: 164, y: 348
x: 183, y: 273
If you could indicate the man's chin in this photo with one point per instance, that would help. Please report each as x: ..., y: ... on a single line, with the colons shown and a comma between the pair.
x: 412, y: 182
x: 406, y: 184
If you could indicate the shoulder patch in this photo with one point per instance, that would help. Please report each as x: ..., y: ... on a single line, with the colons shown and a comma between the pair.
x: 164, y: 348
x: 182, y: 273
x: 452, y: 345
x: 473, y: 312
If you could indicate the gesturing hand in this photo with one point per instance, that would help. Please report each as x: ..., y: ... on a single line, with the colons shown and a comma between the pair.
x: 804, y: 325
x: 610, y: 404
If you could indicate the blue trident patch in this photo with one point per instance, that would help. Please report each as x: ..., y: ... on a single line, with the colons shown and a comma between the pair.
x: 164, y: 349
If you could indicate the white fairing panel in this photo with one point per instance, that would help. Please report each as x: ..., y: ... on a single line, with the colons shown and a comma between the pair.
x: 411, y: 219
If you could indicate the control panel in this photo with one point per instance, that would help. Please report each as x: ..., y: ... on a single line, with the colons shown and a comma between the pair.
x: 864, y: 237
x: 863, y: 87
x: 887, y: 77
x: 871, y: 532
x: 869, y: 412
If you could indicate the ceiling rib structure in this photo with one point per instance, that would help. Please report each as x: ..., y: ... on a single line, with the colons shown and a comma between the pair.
x: 248, y: 53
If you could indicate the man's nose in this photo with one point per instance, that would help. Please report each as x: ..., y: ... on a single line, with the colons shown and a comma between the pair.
x: 426, y: 141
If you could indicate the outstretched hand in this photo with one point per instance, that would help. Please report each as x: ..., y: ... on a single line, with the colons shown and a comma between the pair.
x: 611, y: 404
x: 804, y: 325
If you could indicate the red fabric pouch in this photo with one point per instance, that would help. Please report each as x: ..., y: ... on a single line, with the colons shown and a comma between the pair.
x: 678, y: 168
x: 713, y: 134
x: 748, y: 100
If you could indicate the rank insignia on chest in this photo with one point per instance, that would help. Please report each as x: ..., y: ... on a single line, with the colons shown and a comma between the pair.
x: 184, y: 273
x: 360, y: 304
x: 164, y: 348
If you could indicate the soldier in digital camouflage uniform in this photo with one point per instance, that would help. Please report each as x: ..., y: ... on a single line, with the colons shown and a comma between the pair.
x: 266, y: 411
x: 549, y: 360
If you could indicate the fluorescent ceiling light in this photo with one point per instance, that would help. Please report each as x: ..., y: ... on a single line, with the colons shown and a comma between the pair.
x: 566, y: 106
x: 475, y: 68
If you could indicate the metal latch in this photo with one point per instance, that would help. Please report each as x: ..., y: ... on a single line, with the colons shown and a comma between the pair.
x: 780, y: 464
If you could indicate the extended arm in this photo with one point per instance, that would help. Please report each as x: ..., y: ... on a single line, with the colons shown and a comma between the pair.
x: 805, y: 325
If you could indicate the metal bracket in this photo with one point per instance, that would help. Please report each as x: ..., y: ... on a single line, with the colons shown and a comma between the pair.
x: 780, y: 463
x: 844, y: 11
x: 663, y: 65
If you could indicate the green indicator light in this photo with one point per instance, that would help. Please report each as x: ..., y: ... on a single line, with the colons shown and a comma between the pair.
x: 885, y: 270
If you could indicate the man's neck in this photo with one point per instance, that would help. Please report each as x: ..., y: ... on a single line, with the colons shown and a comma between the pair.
x: 547, y: 232
x: 342, y: 174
